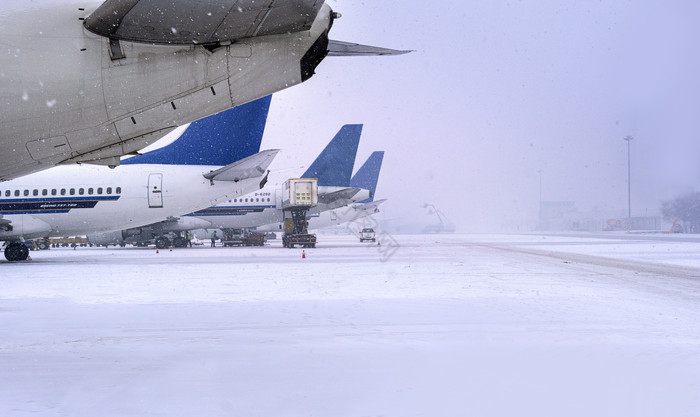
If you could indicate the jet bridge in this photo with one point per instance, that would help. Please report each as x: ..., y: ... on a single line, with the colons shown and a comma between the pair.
x: 298, y: 196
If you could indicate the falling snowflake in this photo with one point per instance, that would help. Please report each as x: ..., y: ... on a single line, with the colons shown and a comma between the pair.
x: 50, y: 103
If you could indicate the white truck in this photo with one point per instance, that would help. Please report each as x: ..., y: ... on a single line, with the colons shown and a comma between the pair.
x: 367, y: 235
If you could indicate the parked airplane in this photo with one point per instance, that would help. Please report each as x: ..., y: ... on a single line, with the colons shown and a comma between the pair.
x: 92, y: 80
x: 366, y: 178
x: 332, y: 168
x: 67, y: 201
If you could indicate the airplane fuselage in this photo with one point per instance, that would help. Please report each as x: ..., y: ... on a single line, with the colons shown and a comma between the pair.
x: 67, y: 201
x: 69, y: 95
x: 260, y: 208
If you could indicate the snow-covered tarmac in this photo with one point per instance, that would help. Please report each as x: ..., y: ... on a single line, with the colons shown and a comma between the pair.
x: 457, y: 325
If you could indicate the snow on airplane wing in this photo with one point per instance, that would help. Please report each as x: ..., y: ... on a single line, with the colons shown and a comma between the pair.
x: 200, y: 22
x: 338, y: 198
x: 250, y: 167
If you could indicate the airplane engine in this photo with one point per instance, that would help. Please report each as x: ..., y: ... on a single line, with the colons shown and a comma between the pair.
x: 122, y: 76
x: 24, y: 225
x: 106, y: 238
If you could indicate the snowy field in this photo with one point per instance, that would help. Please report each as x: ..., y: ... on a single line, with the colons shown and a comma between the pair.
x: 456, y: 325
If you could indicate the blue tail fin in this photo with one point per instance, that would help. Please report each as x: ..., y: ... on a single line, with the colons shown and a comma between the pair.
x: 220, y: 139
x: 368, y: 175
x: 333, y: 167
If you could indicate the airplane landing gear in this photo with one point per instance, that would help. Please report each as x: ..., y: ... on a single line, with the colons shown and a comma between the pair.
x: 180, y: 242
x: 162, y: 242
x: 16, y: 251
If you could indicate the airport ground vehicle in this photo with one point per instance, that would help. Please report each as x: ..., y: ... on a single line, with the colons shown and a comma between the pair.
x: 300, y: 194
x: 367, y: 235
x: 238, y: 238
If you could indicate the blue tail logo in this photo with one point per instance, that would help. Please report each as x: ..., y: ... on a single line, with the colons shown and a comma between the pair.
x: 220, y: 139
x: 333, y: 166
x: 368, y: 175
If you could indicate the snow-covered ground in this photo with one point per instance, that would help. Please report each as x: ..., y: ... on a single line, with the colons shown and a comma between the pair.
x: 458, y: 325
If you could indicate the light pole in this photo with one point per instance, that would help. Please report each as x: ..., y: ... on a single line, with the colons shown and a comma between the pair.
x: 539, y: 214
x: 629, y: 185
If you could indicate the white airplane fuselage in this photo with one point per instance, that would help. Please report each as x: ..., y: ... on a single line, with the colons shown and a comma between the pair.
x: 67, y: 201
x: 259, y: 208
x: 66, y: 97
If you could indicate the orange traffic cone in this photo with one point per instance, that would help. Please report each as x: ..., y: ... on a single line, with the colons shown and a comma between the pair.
x: 303, y: 255
x: 171, y: 249
x: 157, y: 250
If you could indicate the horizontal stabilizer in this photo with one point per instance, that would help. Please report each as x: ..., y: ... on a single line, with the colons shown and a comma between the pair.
x: 251, y: 167
x: 372, y: 206
x: 340, y: 48
x: 337, y: 198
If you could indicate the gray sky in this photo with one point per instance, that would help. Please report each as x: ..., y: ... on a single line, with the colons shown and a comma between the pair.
x: 496, y: 91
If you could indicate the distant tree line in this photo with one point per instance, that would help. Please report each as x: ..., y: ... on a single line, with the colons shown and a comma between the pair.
x: 685, y: 209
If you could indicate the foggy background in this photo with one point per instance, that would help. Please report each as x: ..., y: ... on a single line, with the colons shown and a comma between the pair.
x: 497, y: 91
x: 503, y: 102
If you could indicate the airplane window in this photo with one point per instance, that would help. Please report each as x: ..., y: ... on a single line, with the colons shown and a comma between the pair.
x: 26, y: 193
x: 16, y: 193
x: 257, y: 200
x: 91, y: 191
x: 109, y: 190
x: 81, y: 191
x: 7, y: 193
x: 53, y: 191
x: 99, y: 190
x: 119, y: 190
x: 72, y: 191
x: 235, y: 200
x: 63, y: 191
x: 44, y: 192
x: 246, y: 200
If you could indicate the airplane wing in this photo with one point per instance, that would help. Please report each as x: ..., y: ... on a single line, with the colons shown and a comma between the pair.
x: 250, y: 167
x: 200, y: 22
x: 340, y: 48
x: 372, y: 206
x: 336, y: 199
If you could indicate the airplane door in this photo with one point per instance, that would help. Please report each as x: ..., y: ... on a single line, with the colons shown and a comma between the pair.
x: 155, y: 190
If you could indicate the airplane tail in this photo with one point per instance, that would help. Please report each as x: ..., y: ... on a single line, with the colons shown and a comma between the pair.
x: 220, y: 139
x: 333, y: 166
x: 368, y: 175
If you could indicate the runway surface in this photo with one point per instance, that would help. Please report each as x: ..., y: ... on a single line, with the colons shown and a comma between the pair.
x: 440, y: 325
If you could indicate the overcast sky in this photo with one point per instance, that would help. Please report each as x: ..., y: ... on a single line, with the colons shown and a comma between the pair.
x: 496, y: 91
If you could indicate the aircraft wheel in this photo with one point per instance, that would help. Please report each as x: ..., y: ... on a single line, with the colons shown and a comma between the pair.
x: 16, y: 251
x: 180, y: 242
x: 162, y: 242
x: 44, y: 245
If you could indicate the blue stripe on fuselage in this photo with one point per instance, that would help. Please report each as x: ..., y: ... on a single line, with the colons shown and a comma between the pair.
x: 51, y: 205
x: 230, y: 210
